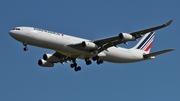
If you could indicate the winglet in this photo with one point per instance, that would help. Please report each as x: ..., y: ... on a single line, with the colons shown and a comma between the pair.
x: 168, y: 23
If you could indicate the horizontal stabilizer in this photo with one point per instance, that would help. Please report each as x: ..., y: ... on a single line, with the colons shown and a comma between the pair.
x: 157, y: 53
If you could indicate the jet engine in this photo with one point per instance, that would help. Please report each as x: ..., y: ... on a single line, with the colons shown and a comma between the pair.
x: 89, y: 45
x: 126, y: 37
x: 50, y: 58
x: 44, y: 63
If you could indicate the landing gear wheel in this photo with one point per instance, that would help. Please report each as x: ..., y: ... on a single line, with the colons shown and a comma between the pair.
x: 25, y: 49
x: 99, y: 62
x: 79, y: 68
x: 76, y: 69
x: 88, y: 62
x: 95, y: 58
x: 73, y: 65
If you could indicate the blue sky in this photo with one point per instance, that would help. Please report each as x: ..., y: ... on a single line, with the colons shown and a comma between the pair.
x: 21, y: 79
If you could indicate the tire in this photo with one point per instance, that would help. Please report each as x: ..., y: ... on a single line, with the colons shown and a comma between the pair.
x: 79, y: 68
x: 25, y: 49
x: 75, y: 69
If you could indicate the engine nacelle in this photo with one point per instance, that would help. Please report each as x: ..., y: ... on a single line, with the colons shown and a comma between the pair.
x: 50, y: 58
x: 126, y: 37
x: 44, y: 63
x: 89, y: 45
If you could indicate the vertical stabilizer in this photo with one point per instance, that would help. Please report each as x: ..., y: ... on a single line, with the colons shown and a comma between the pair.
x: 145, y: 43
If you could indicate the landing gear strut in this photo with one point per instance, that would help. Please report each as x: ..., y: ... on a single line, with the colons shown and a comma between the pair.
x: 95, y: 58
x: 74, y: 65
x: 25, y: 48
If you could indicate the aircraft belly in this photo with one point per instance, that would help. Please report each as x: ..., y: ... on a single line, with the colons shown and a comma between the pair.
x: 74, y: 52
x: 121, y: 55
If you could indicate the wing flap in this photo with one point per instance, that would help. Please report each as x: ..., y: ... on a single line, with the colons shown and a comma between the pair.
x: 64, y: 58
x: 157, y: 53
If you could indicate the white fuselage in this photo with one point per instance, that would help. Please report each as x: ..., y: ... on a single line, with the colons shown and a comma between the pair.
x: 59, y: 42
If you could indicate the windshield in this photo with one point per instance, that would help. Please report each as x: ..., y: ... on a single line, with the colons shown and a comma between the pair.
x: 16, y: 28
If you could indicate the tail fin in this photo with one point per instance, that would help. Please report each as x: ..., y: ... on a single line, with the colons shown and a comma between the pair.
x: 145, y: 43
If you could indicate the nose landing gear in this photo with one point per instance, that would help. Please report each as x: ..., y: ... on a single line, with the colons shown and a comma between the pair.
x: 25, y: 48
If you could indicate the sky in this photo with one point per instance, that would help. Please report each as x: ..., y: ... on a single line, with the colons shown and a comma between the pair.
x: 21, y: 79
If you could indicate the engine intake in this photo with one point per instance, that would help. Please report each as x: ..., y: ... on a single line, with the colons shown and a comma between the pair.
x: 126, y: 37
x: 89, y: 45
x: 44, y: 63
x: 50, y: 58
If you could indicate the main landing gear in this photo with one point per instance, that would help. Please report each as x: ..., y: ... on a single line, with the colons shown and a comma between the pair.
x: 88, y: 62
x: 98, y: 61
x: 96, y: 58
x: 25, y: 47
x: 74, y: 65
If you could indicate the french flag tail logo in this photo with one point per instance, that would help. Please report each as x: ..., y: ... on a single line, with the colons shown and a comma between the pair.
x: 145, y: 43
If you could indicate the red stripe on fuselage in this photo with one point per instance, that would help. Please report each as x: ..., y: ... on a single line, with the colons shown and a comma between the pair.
x: 149, y: 47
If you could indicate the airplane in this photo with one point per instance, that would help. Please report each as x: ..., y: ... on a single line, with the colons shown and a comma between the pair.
x: 69, y: 48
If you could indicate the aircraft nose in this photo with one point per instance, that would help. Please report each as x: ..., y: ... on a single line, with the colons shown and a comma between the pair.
x: 14, y: 33
x: 11, y: 32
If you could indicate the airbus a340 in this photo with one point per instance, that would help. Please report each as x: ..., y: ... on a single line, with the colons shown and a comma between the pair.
x: 69, y: 48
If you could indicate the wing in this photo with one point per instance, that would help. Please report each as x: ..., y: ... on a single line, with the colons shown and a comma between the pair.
x: 63, y: 58
x: 105, y: 43
x: 49, y: 59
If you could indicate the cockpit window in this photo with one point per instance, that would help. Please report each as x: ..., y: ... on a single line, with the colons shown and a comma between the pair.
x: 16, y: 28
